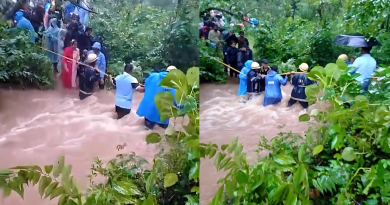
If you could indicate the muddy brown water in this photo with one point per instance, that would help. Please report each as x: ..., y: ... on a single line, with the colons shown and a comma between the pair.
x: 38, y: 126
x: 223, y: 117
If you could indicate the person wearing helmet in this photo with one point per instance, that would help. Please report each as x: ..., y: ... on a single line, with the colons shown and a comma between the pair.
x: 147, y: 108
x: 345, y: 59
x: 125, y: 85
x: 273, y: 81
x: 253, y: 80
x: 89, y: 76
x: 300, y: 81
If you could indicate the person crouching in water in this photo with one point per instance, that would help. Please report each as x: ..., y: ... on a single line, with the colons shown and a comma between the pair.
x: 273, y: 81
x: 89, y: 76
x: 243, y: 78
x: 253, y: 81
x: 147, y: 108
x: 125, y: 84
x: 300, y: 81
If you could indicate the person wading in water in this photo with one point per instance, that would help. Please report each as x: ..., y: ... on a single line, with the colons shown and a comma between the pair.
x: 300, y: 81
x: 89, y: 76
x: 253, y: 81
x: 147, y: 108
x: 264, y: 70
x: 125, y: 84
x: 273, y: 81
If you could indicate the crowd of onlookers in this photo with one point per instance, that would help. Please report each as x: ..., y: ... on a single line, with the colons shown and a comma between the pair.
x: 236, y: 50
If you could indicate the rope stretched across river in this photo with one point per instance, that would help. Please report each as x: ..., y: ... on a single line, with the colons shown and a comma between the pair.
x: 246, y: 75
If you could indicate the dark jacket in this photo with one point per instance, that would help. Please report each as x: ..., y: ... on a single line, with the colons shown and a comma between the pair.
x: 231, y: 56
x: 300, y: 81
x: 262, y: 81
x: 253, y: 81
x: 87, y: 79
x: 242, y: 57
x: 242, y: 41
x: 228, y: 39
x: 84, y: 42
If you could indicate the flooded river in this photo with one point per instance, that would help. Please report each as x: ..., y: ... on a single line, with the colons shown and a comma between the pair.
x: 38, y: 126
x: 223, y: 117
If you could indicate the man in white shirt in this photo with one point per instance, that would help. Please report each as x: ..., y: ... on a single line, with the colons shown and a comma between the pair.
x: 365, y: 65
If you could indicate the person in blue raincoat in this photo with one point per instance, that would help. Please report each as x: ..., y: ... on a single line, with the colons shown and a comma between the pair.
x: 52, y: 34
x: 22, y: 22
x: 273, y: 81
x: 300, y: 81
x: 243, y: 78
x: 147, y: 107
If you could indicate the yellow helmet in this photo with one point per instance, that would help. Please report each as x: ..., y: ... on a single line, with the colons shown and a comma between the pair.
x: 304, y: 67
x: 343, y: 57
x: 255, y: 65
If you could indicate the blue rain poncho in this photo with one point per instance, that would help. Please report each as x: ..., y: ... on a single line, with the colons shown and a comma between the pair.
x: 147, y: 107
x: 101, y: 61
x: 22, y: 22
x: 273, y: 93
x: 52, y: 40
x: 243, y: 78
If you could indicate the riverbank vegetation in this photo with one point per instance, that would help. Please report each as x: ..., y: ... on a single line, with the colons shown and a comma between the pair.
x: 174, y: 179
x: 343, y: 158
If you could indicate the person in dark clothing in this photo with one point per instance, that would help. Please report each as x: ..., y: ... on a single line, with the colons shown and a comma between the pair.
x: 37, y: 17
x: 253, y: 81
x: 300, y: 81
x: 88, y: 77
x: 229, y: 37
x: 85, y: 40
x: 244, y: 54
x: 231, y: 58
x: 264, y: 70
x: 242, y: 40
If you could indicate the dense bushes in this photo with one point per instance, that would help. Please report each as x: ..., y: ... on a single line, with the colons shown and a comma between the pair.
x: 20, y: 60
x: 153, y: 36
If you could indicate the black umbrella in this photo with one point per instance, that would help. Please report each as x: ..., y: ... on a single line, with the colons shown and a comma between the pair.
x: 356, y: 41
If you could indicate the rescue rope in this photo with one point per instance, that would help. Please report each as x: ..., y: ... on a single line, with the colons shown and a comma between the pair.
x: 80, y: 63
x: 278, y: 73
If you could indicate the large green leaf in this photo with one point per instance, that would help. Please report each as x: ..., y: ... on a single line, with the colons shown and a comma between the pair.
x: 193, y: 77
x: 348, y: 154
x: 170, y: 179
x: 177, y: 79
x: 164, y: 102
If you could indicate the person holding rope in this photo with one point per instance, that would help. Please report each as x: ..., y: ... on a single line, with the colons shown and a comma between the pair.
x: 147, y: 108
x: 264, y: 70
x: 243, y: 78
x: 253, y: 81
x: 101, y: 62
x: 89, y: 76
x: 273, y: 81
x: 300, y: 81
x: 125, y: 84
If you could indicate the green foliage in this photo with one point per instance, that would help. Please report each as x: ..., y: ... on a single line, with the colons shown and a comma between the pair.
x: 152, y: 36
x: 210, y: 69
x: 21, y: 61
x: 345, y: 158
